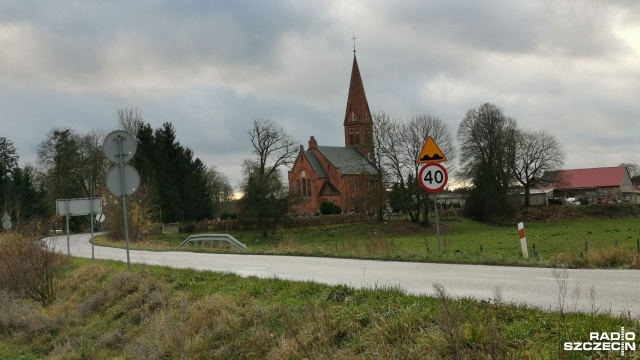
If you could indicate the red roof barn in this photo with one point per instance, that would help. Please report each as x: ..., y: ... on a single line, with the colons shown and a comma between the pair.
x: 606, y: 183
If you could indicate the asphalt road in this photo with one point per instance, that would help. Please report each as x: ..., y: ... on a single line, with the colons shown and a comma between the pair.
x: 616, y: 291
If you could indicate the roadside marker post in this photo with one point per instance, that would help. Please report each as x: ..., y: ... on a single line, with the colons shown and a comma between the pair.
x: 523, y: 241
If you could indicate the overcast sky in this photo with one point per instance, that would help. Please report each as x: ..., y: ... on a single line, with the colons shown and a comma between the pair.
x: 210, y: 67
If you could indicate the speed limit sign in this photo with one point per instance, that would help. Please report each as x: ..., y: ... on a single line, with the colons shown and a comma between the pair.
x: 433, y: 177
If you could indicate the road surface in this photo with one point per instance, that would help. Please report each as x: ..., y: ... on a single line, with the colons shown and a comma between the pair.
x: 616, y: 291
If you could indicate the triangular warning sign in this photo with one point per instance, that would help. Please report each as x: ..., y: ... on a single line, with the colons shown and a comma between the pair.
x: 430, y: 152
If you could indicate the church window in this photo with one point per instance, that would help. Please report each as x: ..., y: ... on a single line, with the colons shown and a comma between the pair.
x: 353, y: 116
x: 352, y: 137
x: 299, y: 188
x: 366, y: 136
x: 308, y: 187
x: 304, y: 187
x: 357, y: 137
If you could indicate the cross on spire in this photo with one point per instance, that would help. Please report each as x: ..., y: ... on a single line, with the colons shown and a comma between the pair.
x: 354, y: 43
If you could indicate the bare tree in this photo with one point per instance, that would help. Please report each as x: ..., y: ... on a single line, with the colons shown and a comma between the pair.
x: 130, y: 120
x: 398, y: 143
x: 273, y: 146
x: 264, y: 198
x: 487, y: 145
x: 536, y: 152
x: 221, y: 190
x: 633, y: 169
x: 60, y: 171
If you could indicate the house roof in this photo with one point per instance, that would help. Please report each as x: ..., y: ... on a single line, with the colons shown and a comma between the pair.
x: 315, y: 163
x: 348, y: 159
x: 586, y: 178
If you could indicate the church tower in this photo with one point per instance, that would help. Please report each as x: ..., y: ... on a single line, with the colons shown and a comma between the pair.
x: 358, y: 125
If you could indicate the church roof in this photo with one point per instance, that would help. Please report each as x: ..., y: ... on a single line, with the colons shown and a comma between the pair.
x: 348, y: 159
x: 315, y: 163
x: 357, y: 100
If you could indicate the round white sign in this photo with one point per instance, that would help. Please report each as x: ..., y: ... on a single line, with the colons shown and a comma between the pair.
x: 433, y: 177
x: 119, y: 144
x: 131, y: 180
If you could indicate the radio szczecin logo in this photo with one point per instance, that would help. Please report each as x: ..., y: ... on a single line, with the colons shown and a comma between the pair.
x: 605, y: 341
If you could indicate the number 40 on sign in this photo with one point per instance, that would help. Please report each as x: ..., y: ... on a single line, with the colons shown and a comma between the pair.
x: 433, y: 177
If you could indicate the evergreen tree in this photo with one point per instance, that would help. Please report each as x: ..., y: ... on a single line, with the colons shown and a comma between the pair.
x: 8, y: 162
x: 178, y: 180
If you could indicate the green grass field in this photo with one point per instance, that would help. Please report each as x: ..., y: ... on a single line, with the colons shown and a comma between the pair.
x: 572, y: 243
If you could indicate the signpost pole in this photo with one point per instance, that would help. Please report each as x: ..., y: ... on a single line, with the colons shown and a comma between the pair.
x: 124, y: 198
x: 122, y: 179
x: 93, y: 256
x: 435, y: 209
x: 66, y: 204
x: 432, y: 177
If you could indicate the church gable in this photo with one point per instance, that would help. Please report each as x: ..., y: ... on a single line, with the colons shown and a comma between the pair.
x: 328, y: 189
x: 315, y: 163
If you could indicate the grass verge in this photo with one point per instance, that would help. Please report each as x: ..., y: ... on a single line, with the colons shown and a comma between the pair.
x: 106, y: 312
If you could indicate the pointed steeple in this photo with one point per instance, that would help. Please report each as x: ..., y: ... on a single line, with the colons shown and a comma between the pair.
x: 357, y: 111
x: 358, y: 126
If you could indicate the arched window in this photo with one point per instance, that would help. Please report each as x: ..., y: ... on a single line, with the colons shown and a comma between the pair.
x: 366, y: 136
x: 357, y: 137
x: 304, y: 187
x: 353, y: 116
x: 308, y: 187
x: 299, y: 188
x: 352, y: 137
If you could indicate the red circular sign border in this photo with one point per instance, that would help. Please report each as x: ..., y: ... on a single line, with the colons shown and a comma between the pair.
x: 446, y: 177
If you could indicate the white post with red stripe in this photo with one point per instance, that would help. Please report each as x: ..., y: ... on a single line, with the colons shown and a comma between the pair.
x: 523, y: 241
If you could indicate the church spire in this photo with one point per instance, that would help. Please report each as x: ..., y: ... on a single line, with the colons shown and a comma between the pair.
x: 357, y: 106
x: 358, y: 126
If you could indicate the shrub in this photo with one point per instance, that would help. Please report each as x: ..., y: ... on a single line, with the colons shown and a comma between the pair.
x: 328, y: 208
x: 29, y: 269
x: 20, y: 314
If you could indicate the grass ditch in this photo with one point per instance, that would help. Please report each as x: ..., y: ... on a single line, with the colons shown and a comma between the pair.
x: 105, y: 312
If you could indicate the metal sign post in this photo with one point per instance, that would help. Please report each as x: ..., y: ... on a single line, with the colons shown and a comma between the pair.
x: 66, y: 206
x: 432, y: 177
x: 75, y: 207
x: 435, y: 209
x: 123, y: 179
x: 120, y: 139
x: 93, y: 254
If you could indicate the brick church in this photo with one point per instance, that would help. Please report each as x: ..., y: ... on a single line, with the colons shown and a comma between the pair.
x: 345, y: 176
